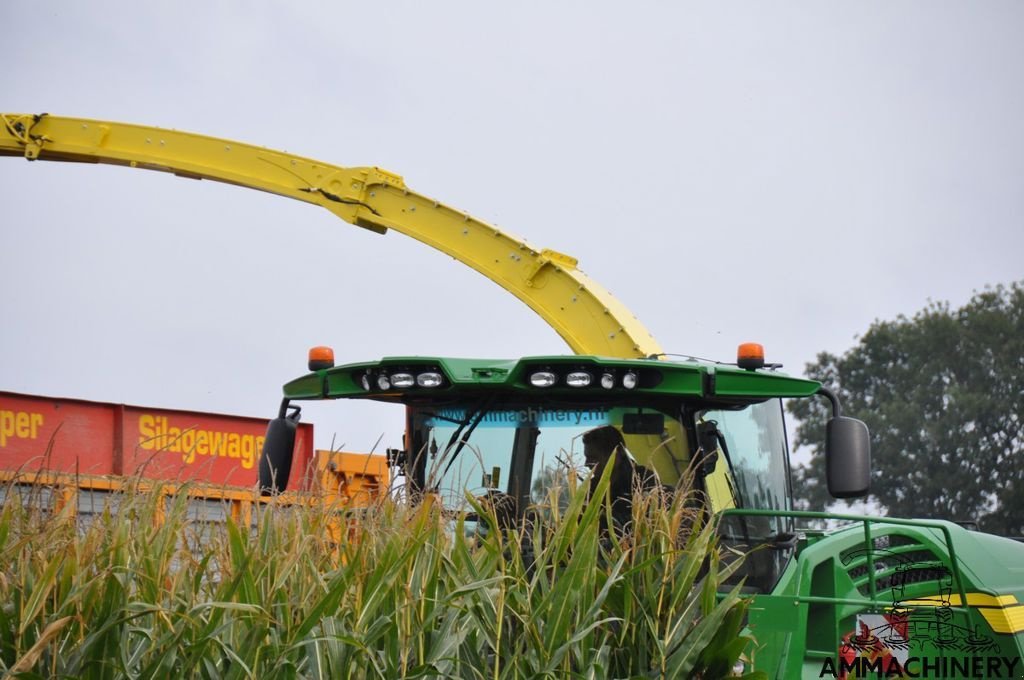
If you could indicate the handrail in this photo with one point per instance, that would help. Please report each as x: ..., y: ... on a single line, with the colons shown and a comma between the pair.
x: 867, y: 521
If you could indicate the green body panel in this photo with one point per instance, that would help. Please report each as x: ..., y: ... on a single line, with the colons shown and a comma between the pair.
x: 927, y: 569
x: 1002, y: 568
x: 736, y: 382
x: 307, y: 387
x: 674, y: 378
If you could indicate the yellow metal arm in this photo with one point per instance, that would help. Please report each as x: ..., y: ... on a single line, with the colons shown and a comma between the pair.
x: 586, y: 315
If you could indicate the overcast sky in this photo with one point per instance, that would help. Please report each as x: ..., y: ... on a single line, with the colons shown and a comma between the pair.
x: 778, y: 172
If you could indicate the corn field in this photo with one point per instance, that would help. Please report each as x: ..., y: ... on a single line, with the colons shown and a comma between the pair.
x: 404, y: 591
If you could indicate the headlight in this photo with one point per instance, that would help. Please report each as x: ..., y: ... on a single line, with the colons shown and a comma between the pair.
x: 543, y: 379
x: 366, y: 381
x: 402, y: 380
x: 429, y: 379
x: 608, y: 381
x: 629, y: 380
x: 578, y: 379
x: 383, y: 382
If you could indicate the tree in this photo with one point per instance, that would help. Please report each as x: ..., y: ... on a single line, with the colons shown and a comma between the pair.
x: 943, y: 396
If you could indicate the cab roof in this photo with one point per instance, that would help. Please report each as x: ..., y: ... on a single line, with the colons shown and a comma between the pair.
x: 458, y: 376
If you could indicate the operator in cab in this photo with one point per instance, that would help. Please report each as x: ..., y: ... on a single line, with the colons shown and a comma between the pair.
x: 627, y: 475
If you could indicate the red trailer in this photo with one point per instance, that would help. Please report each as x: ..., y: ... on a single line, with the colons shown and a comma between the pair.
x: 81, y: 445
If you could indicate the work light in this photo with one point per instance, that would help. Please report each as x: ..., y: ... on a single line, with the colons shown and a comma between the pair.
x: 578, y: 379
x: 429, y: 379
x: 543, y: 379
x: 402, y: 380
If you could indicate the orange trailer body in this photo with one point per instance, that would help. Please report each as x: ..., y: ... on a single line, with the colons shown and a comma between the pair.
x: 72, y: 436
x: 58, y: 442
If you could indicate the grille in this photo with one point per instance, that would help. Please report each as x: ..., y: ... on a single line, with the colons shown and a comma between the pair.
x: 899, y: 561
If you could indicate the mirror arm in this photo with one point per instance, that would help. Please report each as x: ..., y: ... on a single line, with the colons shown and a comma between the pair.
x: 286, y: 404
x: 837, y: 410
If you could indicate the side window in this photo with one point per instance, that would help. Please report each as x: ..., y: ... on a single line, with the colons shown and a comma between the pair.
x: 755, y: 459
x: 755, y: 439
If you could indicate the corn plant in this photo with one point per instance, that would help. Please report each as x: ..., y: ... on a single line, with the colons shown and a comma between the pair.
x: 405, y: 591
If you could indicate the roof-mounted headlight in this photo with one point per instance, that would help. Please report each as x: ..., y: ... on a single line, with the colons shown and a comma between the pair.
x: 402, y: 380
x: 629, y: 380
x: 429, y: 379
x: 383, y: 382
x: 578, y: 379
x: 608, y: 380
x: 543, y: 379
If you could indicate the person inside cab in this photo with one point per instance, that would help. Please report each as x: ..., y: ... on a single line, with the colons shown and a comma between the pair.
x: 626, y: 474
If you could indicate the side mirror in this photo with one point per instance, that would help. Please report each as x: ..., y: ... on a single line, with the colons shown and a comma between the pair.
x: 276, y: 459
x: 847, y: 457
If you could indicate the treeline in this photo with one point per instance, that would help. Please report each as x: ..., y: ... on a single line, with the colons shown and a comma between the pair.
x: 943, y: 395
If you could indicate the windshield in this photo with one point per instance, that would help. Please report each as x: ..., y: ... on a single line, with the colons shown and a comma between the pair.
x: 753, y: 443
x: 527, y: 450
